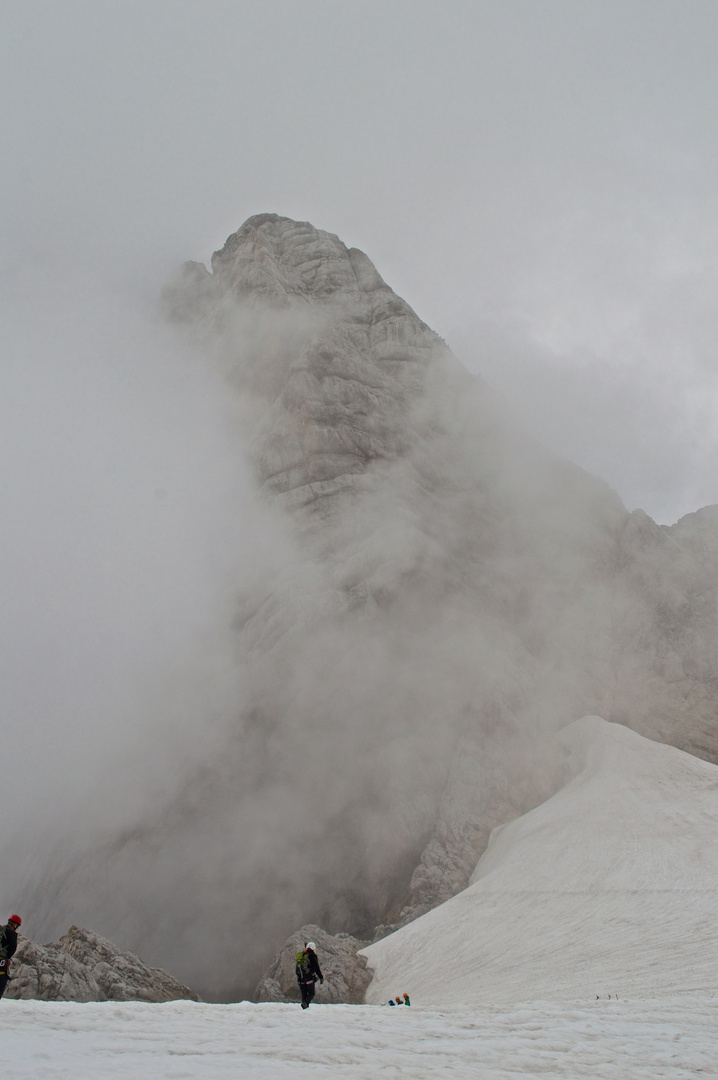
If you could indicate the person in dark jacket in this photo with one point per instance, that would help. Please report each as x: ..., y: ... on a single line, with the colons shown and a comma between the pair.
x: 308, y: 971
x: 8, y: 944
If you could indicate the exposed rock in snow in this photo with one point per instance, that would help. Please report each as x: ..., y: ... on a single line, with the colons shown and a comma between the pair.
x: 606, y: 888
x: 439, y: 597
x: 82, y: 966
x: 344, y: 971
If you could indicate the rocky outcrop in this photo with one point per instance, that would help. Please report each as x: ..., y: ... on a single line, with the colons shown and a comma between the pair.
x: 83, y: 966
x: 345, y: 975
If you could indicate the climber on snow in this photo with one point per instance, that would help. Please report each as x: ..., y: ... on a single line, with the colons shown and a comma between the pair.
x: 308, y: 971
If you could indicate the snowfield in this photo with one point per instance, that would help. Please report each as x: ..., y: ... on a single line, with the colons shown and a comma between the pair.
x: 609, y: 887
x: 596, y: 1040
x: 586, y: 947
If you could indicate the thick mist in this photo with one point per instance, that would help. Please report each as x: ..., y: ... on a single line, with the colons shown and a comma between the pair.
x: 294, y: 603
x: 128, y: 524
x: 221, y: 707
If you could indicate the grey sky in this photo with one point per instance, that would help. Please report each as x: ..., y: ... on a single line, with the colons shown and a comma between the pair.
x: 548, y: 166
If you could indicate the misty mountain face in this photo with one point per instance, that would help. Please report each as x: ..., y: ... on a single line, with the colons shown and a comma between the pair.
x: 436, y: 596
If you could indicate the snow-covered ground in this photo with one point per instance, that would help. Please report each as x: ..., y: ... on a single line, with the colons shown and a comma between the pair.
x: 587, y: 947
x: 598, y: 1040
x: 609, y: 887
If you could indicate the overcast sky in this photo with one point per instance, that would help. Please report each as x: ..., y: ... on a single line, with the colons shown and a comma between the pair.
x: 538, y: 178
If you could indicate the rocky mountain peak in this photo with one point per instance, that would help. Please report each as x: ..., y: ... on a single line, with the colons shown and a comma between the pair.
x: 337, y: 360
x: 447, y: 595
x: 275, y: 258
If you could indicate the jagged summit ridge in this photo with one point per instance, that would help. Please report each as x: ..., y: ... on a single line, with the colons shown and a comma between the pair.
x: 276, y: 257
x: 341, y: 357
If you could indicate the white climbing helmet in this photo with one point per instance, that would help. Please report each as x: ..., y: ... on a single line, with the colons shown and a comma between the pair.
x: 311, y: 945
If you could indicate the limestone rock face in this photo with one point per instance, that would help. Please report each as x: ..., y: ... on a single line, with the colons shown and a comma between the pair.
x: 83, y: 966
x: 310, y: 327
x: 438, y: 596
x: 345, y: 975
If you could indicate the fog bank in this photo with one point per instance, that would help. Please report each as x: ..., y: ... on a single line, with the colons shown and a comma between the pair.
x: 128, y: 523
x: 347, y: 642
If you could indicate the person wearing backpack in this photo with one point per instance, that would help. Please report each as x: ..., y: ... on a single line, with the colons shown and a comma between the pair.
x: 308, y: 971
x: 8, y: 945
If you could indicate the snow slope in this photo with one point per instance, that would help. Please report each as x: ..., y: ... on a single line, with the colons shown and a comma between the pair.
x: 673, y: 1039
x: 609, y: 887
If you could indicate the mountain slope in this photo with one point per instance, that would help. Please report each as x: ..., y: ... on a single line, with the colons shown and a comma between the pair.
x: 609, y: 887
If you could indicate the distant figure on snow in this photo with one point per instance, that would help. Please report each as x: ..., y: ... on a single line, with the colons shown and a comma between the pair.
x: 8, y: 944
x: 308, y: 972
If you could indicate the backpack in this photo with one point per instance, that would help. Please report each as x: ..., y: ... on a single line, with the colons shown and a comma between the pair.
x: 303, y: 968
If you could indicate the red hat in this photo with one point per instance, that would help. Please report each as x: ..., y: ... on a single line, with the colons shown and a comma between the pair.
x: 15, y: 919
